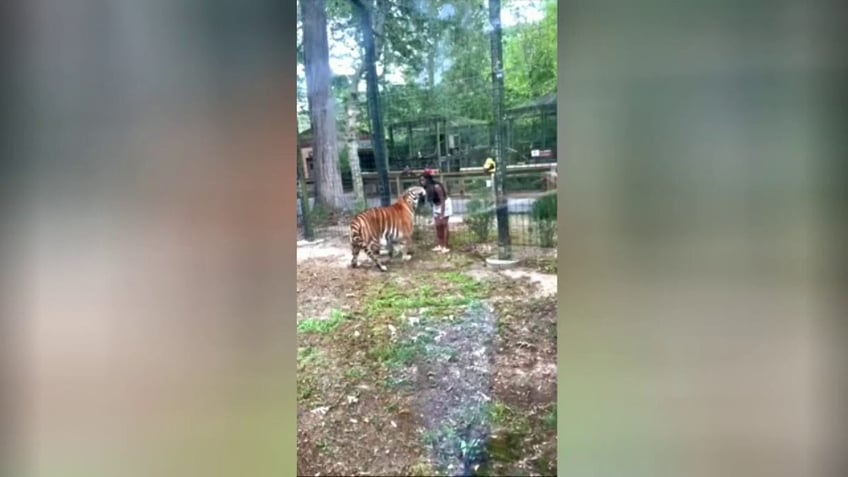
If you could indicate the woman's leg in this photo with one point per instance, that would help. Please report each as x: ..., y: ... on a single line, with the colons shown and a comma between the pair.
x: 446, y: 233
x: 439, y: 233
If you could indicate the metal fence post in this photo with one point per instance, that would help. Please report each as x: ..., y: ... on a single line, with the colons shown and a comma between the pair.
x: 504, y: 245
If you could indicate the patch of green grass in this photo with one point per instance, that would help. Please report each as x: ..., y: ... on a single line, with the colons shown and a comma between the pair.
x: 305, y: 390
x: 396, y: 343
x: 422, y: 469
x: 307, y: 356
x: 355, y: 373
x: 506, y: 420
x: 321, y: 326
x: 511, y: 434
x: 308, y: 359
x: 548, y: 266
x: 403, y: 353
x: 500, y: 326
x: 440, y: 293
x: 550, y: 418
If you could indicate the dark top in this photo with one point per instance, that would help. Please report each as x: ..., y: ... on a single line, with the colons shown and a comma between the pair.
x: 433, y: 196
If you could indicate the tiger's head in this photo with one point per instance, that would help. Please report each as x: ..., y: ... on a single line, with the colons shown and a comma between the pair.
x: 415, y: 196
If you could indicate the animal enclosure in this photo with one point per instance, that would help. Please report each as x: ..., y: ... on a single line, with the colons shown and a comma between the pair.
x: 531, y: 204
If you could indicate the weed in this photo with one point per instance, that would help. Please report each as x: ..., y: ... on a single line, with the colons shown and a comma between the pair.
x: 550, y: 418
x: 321, y: 326
x: 422, y: 469
x: 503, y: 417
x: 307, y: 356
x: 429, y: 437
x: 501, y: 327
x: 398, y: 355
x: 304, y: 390
x: 322, y: 446
x: 354, y: 373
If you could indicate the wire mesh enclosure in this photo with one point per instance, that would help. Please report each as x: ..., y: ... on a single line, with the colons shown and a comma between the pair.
x: 531, y: 203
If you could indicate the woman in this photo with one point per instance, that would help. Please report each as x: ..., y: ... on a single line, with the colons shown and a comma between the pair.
x: 437, y: 195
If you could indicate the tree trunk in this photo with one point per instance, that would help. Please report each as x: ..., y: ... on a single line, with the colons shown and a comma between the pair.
x: 328, y: 179
x: 352, y: 135
x: 352, y: 107
x: 371, y: 54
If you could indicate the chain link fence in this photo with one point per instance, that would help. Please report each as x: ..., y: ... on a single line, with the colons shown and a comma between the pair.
x: 531, y: 203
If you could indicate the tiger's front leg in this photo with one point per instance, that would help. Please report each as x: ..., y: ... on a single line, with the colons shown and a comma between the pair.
x: 397, y: 249
x: 404, y: 249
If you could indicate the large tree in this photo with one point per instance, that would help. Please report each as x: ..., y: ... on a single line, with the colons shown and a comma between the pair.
x: 316, y: 57
x: 346, y: 20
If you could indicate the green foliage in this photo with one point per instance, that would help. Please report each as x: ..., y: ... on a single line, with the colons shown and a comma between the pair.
x: 550, y: 418
x: 530, y: 58
x: 510, y: 427
x: 544, y: 215
x: 319, y: 215
x: 307, y: 356
x: 444, y: 295
x: 442, y: 51
x: 321, y: 326
x: 545, y: 208
x: 480, y: 215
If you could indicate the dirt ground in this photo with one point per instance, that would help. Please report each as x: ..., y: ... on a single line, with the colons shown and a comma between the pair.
x: 439, y: 367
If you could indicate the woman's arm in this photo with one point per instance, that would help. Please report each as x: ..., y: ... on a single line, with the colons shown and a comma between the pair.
x: 441, y: 193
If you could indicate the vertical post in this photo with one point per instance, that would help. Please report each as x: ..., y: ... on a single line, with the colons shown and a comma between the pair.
x: 303, y: 194
x: 504, y: 246
x: 392, y: 148
x: 377, y: 142
x: 409, y: 140
x: 438, y: 143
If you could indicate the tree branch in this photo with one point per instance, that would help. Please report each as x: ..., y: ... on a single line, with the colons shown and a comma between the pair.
x: 361, y: 4
x: 357, y: 77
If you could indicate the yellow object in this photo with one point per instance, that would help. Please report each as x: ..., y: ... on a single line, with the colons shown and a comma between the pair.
x: 489, y: 165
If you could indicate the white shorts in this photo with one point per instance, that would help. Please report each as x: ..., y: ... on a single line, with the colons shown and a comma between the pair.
x: 437, y: 209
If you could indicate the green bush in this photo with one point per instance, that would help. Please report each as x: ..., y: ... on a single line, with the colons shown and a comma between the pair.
x: 544, y: 215
x: 319, y: 215
x: 480, y: 215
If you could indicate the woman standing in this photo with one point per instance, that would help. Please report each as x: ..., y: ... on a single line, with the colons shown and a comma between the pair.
x: 437, y: 195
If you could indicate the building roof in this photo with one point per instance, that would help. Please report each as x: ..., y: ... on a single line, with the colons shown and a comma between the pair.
x: 425, y: 122
x: 546, y: 102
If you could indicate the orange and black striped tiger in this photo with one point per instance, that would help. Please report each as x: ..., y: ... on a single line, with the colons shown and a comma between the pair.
x: 392, y: 224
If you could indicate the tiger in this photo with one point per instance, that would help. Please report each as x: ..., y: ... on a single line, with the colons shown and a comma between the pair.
x: 392, y: 224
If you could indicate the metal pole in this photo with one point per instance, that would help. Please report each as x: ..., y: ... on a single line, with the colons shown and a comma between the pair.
x: 504, y: 245
x: 303, y: 195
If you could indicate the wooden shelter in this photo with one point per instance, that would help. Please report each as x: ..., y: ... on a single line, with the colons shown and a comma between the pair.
x: 366, y: 151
